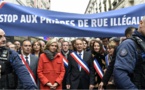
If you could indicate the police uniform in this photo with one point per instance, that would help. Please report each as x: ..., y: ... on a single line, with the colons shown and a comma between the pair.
x: 127, y: 65
x: 11, y: 65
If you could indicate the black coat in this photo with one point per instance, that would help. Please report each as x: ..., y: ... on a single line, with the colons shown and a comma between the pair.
x: 66, y: 71
x: 100, y: 58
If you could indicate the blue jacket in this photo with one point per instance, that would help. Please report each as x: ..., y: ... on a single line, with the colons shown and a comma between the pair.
x: 126, y: 58
x: 21, y: 71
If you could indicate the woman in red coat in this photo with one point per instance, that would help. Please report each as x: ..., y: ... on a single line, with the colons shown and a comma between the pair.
x: 50, y: 67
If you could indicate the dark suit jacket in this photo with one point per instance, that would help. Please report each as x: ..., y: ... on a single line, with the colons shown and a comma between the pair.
x: 66, y: 70
x: 33, y: 66
x: 75, y: 77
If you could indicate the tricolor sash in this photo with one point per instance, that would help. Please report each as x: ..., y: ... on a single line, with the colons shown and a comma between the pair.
x: 29, y: 69
x: 80, y: 61
x: 107, y: 60
x: 98, y: 68
x: 65, y: 61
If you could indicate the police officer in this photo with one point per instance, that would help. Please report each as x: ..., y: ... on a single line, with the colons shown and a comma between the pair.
x: 129, y: 66
x: 128, y: 33
x: 10, y: 66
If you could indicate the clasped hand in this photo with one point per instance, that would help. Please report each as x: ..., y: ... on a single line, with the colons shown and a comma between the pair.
x: 52, y: 86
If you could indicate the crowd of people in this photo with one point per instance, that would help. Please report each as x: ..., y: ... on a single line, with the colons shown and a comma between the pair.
x: 99, y: 63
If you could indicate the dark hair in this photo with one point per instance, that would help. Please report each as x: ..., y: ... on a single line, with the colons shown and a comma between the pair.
x: 25, y: 40
x: 85, y: 40
x: 101, y: 51
x: 60, y: 39
x: 73, y: 46
x: 78, y: 39
x: 129, y: 30
x: 74, y: 42
x: 103, y: 38
x: 64, y: 42
x: 41, y: 49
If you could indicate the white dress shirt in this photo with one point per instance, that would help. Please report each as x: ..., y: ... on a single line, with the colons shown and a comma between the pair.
x: 28, y: 58
x: 82, y: 55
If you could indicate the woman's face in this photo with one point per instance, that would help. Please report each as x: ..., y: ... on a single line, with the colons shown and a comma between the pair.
x: 85, y: 44
x: 36, y: 46
x: 110, y: 51
x: 96, y: 47
x: 53, y: 47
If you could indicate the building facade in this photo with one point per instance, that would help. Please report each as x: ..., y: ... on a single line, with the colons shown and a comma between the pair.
x: 41, y: 4
x: 97, y: 6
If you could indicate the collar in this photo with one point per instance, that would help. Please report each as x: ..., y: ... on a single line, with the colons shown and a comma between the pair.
x: 65, y: 53
x: 80, y: 52
x: 136, y: 33
x: 26, y: 56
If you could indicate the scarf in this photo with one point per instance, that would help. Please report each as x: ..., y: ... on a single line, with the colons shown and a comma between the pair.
x: 65, y: 53
x: 49, y: 54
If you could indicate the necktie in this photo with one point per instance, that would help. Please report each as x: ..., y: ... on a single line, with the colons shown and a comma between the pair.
x: 80, y: 55
x: 27, y: 60
x: 78, y: 64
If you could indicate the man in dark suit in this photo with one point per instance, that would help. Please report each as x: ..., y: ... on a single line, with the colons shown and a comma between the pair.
x: 29, y: 60
x: 78, y: 76
x: 65, y: 52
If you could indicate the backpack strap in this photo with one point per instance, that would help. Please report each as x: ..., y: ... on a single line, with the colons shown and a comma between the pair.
x: 139, y: 42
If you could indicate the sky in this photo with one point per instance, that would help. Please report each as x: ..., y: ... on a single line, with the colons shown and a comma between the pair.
x: 70, y: 6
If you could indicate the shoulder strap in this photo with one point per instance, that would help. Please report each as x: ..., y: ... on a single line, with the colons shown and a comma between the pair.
x: 139, y: 42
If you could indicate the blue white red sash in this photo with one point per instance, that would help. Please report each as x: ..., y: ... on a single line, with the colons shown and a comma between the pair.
x: 81, y: 62
x: 65, y: 61
x: 107, y: 60
x: 98, y: 68
x: 29, y: 70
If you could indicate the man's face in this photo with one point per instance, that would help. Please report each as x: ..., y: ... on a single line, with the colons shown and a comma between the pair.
x: 65, y: 46
x: 79, y: 45
x: 105, y: 42
x: 26, y: 47
x: 142, y: 27
x: 2, y: 38
x: 17, y: 44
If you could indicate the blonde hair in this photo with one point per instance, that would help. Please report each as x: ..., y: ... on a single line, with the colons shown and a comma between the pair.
x: 112, y: 44
x: 49, y: 42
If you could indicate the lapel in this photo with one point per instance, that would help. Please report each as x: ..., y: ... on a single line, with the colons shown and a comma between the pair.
x: 31, y: 62
x: 85, y: 56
